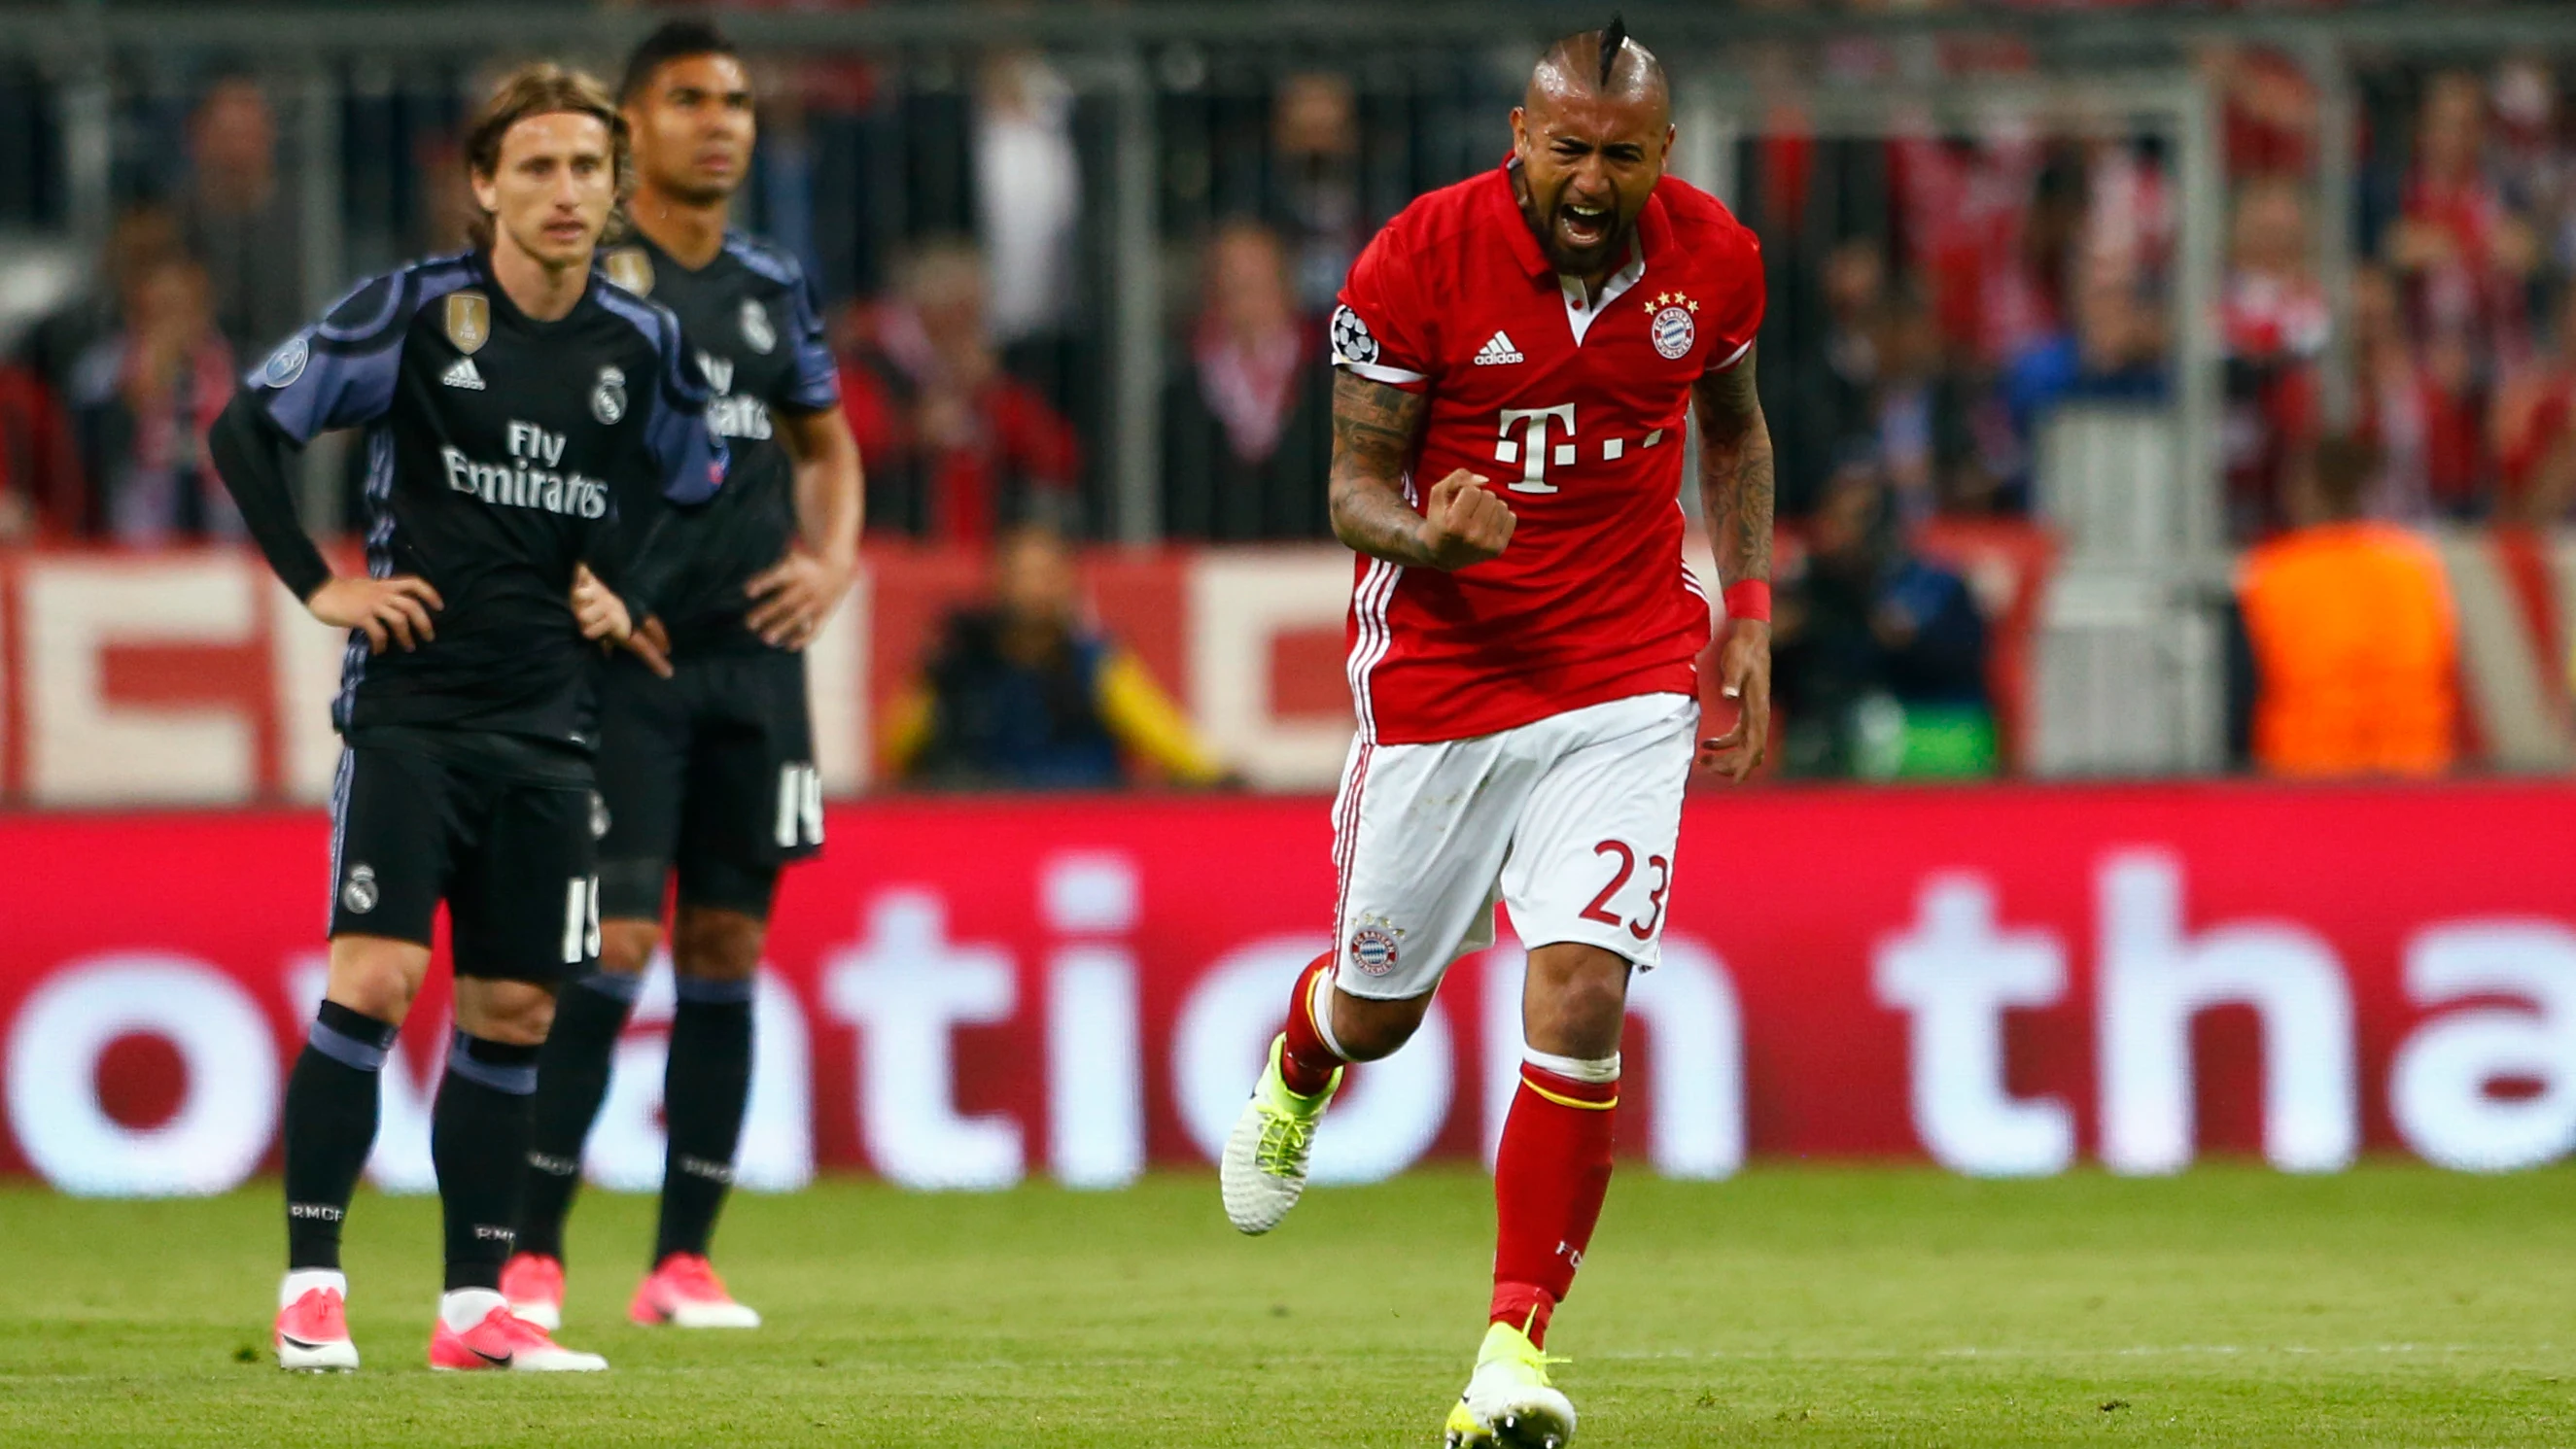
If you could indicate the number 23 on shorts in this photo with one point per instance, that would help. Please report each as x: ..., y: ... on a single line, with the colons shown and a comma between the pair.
x: 1644, y: 927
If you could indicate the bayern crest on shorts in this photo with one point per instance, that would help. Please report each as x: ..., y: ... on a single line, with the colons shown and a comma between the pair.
x: 1673, y: 332
x: 1373, y: 949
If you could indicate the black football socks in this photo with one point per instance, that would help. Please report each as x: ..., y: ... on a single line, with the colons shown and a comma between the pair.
x: 704, y: 1092
x: 478, y: 1140
x: 330, y: 1127
x: 572, y: 1080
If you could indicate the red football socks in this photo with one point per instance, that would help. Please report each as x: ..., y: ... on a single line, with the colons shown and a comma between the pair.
x: 1549, y: 1180
x: 1307, y: 1063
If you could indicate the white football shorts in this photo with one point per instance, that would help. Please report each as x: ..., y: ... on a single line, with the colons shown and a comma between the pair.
x: 1569, y: 821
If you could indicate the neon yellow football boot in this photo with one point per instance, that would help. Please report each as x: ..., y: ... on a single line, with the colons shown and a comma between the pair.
x: 1509, y: 1403
x: 1263, y: 1171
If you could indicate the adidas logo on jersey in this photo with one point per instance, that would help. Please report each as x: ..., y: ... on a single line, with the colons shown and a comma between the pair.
x: 463, y: 375
x: 1497, y: 349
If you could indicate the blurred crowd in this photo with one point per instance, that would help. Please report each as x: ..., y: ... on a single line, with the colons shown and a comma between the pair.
x: 1964, y: 287
x: 1937, y: 297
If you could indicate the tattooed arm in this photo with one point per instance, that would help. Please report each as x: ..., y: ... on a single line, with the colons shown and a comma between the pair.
x: 1373, y: 431
x: 1735, y: 472
x: 1735, y: 497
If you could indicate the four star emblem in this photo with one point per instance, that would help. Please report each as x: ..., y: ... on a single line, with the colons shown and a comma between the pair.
x: 1661, y: 300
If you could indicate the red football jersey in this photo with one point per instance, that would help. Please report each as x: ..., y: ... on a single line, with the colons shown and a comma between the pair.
x: 1575, y: 412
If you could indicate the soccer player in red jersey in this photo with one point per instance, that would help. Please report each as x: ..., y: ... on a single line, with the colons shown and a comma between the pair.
x: 1514, y: 356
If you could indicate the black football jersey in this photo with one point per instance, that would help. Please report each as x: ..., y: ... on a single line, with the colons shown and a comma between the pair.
x: 751, y: 323
x: 500, y: 452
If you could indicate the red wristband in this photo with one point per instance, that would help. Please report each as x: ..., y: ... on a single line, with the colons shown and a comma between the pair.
x: 1749, y: 599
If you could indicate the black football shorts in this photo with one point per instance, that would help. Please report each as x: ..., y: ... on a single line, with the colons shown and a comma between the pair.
x: 516, y: 862
x: 708, y: 777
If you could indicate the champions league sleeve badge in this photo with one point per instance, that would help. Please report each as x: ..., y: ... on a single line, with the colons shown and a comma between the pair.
x: 757, y: 333
x: 286, y: 364
x: 608, y: 400
x: 1352, y: 341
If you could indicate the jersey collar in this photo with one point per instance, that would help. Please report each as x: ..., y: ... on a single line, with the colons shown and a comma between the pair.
x: 502, y: 306
x: 1654, y: 238
x: 661, y: 257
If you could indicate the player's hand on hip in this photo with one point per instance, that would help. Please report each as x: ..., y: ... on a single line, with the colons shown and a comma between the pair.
x: 793, y: 598
x: 1464, y: 523
x: 601, y: 615
x: 1744, y: 676
x: 387, y: 611
x: 651, y: 643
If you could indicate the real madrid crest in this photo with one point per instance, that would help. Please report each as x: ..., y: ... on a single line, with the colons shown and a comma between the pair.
x: 608, y: 400
x: 1670, y: 324
x: 756, y: 331
x: 628, y: 267
x: 469, y: 321
x: 359, y: 893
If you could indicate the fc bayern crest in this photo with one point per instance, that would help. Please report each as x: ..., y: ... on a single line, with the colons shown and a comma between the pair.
x: 608, y: 400
x: 358, y: 893
x: 1674, y: 332
x: 1351, y: 339
x: 1373, y: 950
x: 757, y: 334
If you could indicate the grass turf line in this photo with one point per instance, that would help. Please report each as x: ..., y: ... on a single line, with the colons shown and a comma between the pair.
x: 2392, y: 1305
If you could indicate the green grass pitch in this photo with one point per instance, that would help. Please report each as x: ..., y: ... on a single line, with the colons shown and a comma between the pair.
x: 2389, y: 1306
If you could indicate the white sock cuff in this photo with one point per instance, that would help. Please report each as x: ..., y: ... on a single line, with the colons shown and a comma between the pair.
x: 301, y: 1281
x: 1319, y: 1007
x: 1574, y: 1069
x: 462, y: 1308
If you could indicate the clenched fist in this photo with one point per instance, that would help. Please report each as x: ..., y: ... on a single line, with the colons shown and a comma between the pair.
x: 1463, y: 524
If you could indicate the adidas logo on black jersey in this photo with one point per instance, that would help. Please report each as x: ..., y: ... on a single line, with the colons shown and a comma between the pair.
x: 463, y: 375
x: 1497, y: 349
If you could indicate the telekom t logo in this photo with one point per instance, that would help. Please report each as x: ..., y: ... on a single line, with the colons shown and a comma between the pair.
x: 1531, y: 449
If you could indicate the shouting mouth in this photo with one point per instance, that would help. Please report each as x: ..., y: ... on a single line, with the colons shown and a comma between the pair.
x: 1585, y: 228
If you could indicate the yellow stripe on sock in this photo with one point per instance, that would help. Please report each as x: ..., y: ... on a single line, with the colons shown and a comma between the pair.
x: 1565, y: 1101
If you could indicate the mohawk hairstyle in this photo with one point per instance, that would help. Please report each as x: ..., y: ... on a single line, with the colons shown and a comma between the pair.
x: 1614, y: 38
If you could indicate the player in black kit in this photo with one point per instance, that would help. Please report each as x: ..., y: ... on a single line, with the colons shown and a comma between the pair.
x: 709, y: 775
x: 515, y: 407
